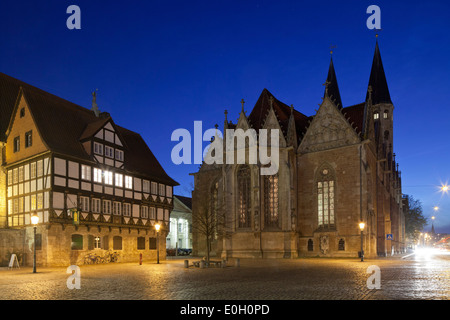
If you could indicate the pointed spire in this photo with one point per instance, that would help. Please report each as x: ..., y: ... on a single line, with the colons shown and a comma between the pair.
x: 242, y: 103
x: 377, y: 80
x: 331, y: 86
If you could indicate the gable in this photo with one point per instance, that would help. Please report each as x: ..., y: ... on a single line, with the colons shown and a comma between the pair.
x: 23, y: 125
x: 329, y: 129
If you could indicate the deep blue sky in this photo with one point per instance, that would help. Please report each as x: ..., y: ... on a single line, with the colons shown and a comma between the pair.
x: 161, y: 65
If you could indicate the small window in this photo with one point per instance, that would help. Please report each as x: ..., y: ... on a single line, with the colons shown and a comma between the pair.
x: 85, y: 172
x: 28, y: 139
x: 144, y: 212
x: 77, y: 242
x: 152, y: 243
x: 97, y: 175
x: 117, y: 243
x: 154, y: 188
x: 119, y: 155
x: 108, y: 177
x: 152, y: 213
x: 96, y: 205
x: 117, y: 208
x: 140, y: 243
x: 128, y: 182
x: 84, y: 204
x: 341, y: 245
x: 98, y: 148
x: 376, y: 116
x: 162, y: 190
x: 16, y: 144
x: 146, y: 186
x: 126, y: 209
x: 109, y: 152
x: 22, y: 112
x: 107, y: 206
x: 385, y: 114
x: 119, y: 180
x: 97, y: 242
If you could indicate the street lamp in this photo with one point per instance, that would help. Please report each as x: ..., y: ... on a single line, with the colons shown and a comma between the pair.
x: 34, y: 222
x: 157, y: 227
x: 361, y: 227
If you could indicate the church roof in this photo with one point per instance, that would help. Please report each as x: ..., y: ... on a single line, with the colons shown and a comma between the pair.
x: 259, y: 113
x: 377, y: 80
x: 62, y: 124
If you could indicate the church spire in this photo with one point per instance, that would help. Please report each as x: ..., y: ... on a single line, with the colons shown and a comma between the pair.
x: 377, y: 80
x: 331, y: 86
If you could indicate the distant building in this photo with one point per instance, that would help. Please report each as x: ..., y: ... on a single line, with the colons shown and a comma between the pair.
x: 337, y: 168
x: 60, y: 161
x: 180, y: 235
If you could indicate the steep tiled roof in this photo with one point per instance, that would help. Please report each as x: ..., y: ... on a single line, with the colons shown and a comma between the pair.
x: 62, y: 124
x: 258, y: 115
x: 355, y: 115
x: 377, y: 80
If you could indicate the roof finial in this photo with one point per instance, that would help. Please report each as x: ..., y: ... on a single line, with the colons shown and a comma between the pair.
x: 242, y: 103
x: 331, y: 48
x: 326, y: 84
x: 94, y: 103
x: 226, y: 113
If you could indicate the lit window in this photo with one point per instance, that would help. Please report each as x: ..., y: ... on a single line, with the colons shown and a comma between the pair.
x: 40, y: 201
x: 376, y: 116
x: 85, y: 172
x: 119, y: 180
x: 97, y: 175
x: 325, y: 200
x: 33, y: 170
x: 128, y: 182
x: 385, y: 114
x: 108, y: 177
x: 33, y: 202
x: 169, y: 191
x: 271, y: 200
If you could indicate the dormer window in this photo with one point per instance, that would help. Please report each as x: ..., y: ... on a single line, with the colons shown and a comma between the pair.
x: 119, y: 155
x: 98, y: 148
x: 109, y: 152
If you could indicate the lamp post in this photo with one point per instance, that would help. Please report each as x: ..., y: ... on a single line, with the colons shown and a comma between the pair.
x: 157, y: 227
x: 34, y: 222
x: 361, y: 227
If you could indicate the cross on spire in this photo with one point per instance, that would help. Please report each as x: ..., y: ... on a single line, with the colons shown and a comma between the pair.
x: 242, y: 103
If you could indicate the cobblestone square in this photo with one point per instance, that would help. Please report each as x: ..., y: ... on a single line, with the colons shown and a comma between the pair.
x: 407, y: 277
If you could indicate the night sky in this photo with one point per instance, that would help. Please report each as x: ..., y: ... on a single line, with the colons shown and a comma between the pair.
x: 161, y: 65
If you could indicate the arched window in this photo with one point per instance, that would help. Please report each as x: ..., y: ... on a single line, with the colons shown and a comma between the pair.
x: 385, y: 114
x: 310, y: 245
x: 271, y: 201
x: 376, y: 115
x: 325, y: 198
x: 341, y: 244
x: 243, y: 205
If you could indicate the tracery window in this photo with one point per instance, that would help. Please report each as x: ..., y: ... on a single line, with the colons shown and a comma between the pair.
x: 271, y: 200
x: 243, y: 205
x: 325, y: 199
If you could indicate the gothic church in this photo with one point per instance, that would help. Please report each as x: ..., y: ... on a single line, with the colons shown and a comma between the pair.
x: 337, y: 169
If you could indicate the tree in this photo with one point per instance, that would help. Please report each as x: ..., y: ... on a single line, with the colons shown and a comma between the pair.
x: 414, y: 219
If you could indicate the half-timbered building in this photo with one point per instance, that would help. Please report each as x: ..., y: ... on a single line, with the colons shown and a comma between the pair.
x: 96, y: 186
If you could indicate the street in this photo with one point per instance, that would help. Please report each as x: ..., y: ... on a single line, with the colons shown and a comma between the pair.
x: 411, y: 277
